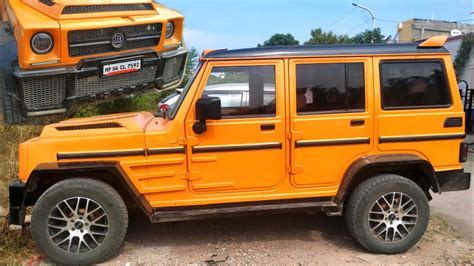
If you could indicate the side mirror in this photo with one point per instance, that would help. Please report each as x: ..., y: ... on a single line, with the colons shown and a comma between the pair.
x: 206, y: 108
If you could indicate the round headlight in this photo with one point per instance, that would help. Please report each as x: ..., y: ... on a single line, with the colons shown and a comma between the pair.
x: 42, y: 43
x: 169, y: 30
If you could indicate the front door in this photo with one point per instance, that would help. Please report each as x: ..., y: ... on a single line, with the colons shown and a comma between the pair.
x: 331, y: 124
x: 245, y: 150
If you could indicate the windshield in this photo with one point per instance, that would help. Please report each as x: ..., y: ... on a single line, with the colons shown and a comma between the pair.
x: 175, y: 107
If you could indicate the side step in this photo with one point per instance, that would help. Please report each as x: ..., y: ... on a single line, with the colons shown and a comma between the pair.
x: 209, y: 211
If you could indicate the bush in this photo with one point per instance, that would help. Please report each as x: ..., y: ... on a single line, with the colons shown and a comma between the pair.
x: 142, y: 102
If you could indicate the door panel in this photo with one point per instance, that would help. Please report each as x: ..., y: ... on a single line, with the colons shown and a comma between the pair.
x: 419, y: 105
x: 245, y: 150
x: 331, y: 118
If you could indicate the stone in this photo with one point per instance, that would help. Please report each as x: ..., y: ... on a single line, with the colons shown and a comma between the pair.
x: 27, y: 219
x: 3, y: 212
x: 14, y: 227
x: 367, y: 257
x: 215, y: 259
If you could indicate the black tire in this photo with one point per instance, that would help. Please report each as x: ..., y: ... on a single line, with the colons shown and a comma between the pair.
x: 363, y: 201
x: 10, y: 111
x: 116, y: 217
x: 3, y: 87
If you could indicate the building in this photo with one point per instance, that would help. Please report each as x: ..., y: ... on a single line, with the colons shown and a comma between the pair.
x: 453, y: 44
x: 418, y: 29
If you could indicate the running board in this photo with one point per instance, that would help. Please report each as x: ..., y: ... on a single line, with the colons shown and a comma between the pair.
x: 209, y: 211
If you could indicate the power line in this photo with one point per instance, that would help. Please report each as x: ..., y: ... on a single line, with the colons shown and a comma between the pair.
x: 339, y: 19
x: 356, y: 27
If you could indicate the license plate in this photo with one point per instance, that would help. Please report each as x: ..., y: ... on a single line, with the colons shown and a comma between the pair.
x: 121, y: 68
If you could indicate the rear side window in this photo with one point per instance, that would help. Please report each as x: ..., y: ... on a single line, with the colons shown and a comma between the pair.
x: 243, y: 90
x: 414, y: 85
x: 330, y: 88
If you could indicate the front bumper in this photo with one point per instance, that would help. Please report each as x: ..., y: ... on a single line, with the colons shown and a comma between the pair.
x: 17, y: 192
x: 456, y: 180
x: 49, y: 91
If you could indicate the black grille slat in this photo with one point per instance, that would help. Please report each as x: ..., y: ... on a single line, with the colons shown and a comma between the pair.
x: 91, y: 126
x: 69, y: 10
x: 44, y: 92
x: 90, y: 37
x: 173, y: 68
x: 89, y: 86
x: 47, y: 2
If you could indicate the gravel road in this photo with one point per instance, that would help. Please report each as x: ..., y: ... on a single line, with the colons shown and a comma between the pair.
x: 275, y: 240
x: 296, y: 239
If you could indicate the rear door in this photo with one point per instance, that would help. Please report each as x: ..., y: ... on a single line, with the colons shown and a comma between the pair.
x: 331, y: 124
x: 418, y: 112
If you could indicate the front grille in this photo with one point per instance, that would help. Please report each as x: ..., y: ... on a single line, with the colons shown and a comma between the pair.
x: 48, y: 92
x: 68, y: 10
x: 96, y: 85
x: 47, y: 2
x: 174, y: 68
x: 98, y: 41
x: 91, y: 126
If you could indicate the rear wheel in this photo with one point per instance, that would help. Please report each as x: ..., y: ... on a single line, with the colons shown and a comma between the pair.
x: 387, y: 214
x: 79, y: 221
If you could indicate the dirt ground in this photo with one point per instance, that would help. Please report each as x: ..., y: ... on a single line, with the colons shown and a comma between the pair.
x: 276, y: 240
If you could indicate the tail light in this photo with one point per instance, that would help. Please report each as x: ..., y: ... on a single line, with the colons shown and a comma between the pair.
x: 164, y: 107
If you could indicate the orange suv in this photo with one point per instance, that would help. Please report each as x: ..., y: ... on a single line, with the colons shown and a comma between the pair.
x: 57, y: 52
x: 364, y: 131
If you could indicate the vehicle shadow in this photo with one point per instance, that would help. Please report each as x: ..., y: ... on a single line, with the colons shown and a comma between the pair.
x: 239, y: 230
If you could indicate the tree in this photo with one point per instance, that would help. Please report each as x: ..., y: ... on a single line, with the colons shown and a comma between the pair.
x: 280, y: 39
x: 463, y: 55
x: 318, y: 36
x: 191, y: 64
x: 368, y: 35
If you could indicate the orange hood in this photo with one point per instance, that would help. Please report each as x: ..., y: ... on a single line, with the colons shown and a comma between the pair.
x: 80, y: 9
x: 125, y: 123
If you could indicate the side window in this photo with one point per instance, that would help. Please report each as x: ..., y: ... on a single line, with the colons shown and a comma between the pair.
x: 243, y: 90
x: 330, y: 88
x: 414, y: 85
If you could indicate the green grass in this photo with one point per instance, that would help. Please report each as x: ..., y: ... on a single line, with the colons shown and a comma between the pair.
x: 142, y: 102
x: 16, y: 246
x: 11, y: 137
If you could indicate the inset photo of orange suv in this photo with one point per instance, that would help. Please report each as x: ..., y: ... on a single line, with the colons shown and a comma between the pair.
x: 370, y: 132
x: 55, y: 53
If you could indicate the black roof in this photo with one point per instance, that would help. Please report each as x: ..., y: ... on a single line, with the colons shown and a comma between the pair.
x: 322, y: 50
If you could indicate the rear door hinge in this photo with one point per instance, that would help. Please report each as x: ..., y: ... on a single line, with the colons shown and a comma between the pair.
x: 182, y: 141
x: 295, y: 169
x: 184, y: 176
x: 295, y: 135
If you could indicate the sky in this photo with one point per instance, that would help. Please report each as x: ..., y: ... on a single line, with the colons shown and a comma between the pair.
x: 216, y: 24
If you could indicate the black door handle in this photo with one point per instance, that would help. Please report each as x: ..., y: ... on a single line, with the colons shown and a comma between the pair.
x: 355, y: 123
x: 453, y: 122
x: 266, y: 127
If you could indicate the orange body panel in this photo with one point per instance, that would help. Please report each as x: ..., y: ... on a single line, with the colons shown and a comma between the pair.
x: 28, y: 17
x: 185, y: 178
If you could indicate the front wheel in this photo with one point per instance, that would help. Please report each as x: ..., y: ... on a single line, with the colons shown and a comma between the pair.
x: 79, y: 221
x: 387, y: 214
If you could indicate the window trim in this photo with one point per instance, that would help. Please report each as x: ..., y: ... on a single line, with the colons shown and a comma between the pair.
x: 346, y: 111
x: 231, y: 117
x: 415, y: 107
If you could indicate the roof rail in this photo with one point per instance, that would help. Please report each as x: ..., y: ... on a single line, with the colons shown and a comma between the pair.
x: 436, y: 41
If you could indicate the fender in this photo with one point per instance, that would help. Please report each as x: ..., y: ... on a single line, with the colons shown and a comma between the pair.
x: 23, y: 195
x: 387, y: 163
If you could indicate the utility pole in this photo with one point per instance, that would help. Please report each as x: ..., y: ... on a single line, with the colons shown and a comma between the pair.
x: 371, y: 14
